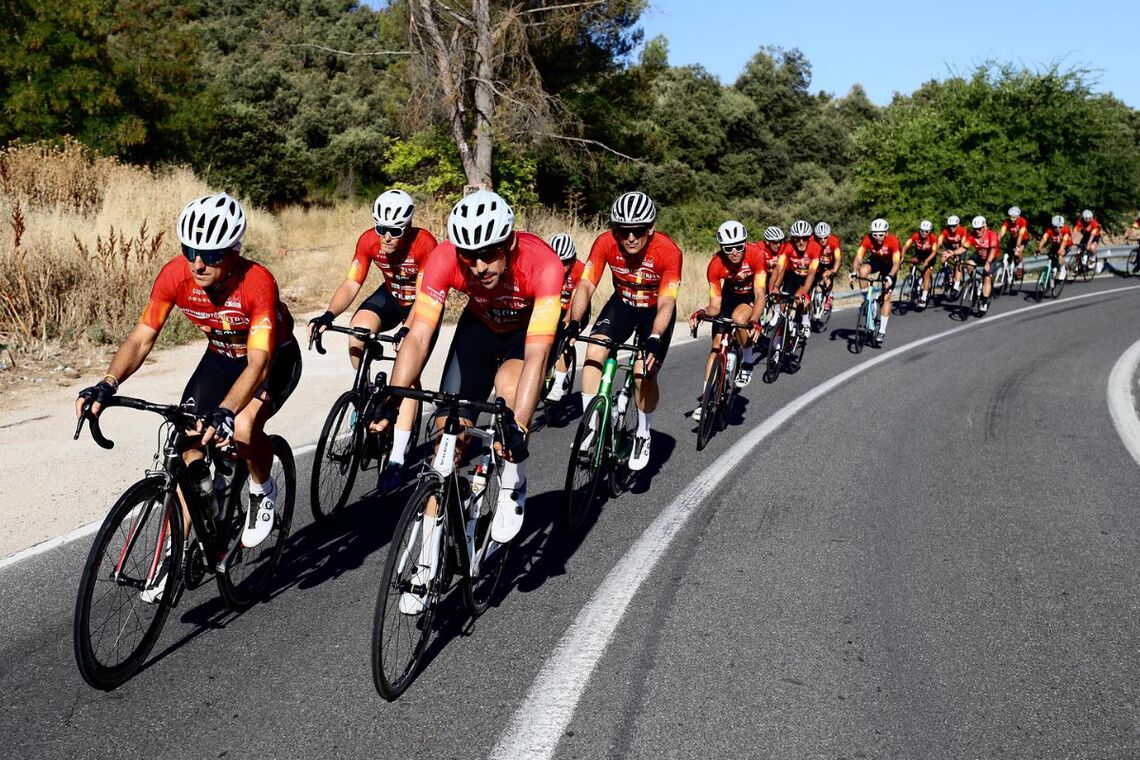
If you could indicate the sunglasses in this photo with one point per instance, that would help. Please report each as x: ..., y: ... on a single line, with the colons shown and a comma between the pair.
x: 392, y: 232
x: 880, y: 236
x: 486, y: 254
x: 210, y: 258
x: 638, y: 231
x: 738, y: 248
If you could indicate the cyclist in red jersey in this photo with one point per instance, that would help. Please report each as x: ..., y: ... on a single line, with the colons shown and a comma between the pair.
x: 985, y: 248
x: 564, y: 246
x: 1017, y: 227
x: 796, y: 269
x: 924, y: 242
x: 646, y: 270
x: 738, y: 280
x: 513, y: 282
x: 951, y: 241
x: 884, y: 256
x: 400, y: 251
x: 251, y: 364
x: 1086, y: 234
x: 774, y: 243
x: 1057, y: 239
x: 830, y: 258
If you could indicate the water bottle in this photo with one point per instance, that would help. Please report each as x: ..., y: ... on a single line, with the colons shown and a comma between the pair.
x: 199, y: 473
x: 731, y: 362
x: 622, y: 401
x: 478, y: 486
x: 223, y: 480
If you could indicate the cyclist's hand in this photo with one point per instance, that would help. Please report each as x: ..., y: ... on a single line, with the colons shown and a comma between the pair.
x: 888, y: 281
x: 96, y: 396
x: 385, y: 415
x: 573, y: 329
x: 320, y: 324
x: 399, y: 336
x: 801, y: 295
x: 219, y: 426
x: 652, y: 353
x: 754, y: 330
x: 514, y: 448
x: 693, y: 318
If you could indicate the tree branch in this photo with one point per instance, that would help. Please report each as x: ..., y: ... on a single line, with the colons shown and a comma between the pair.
x: 339, y: 52
x: 584, y: 141
x: 564, y: 6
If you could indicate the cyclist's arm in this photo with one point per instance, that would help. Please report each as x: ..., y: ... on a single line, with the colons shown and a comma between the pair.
x: 759, y: 292
x: 539, y: 337
x: 133, y: 352
x: 813, y: 267
x: 907, y: 245
x: 343, y: 296
x: 778, y: 278
x: 247, y: 383
x: 713, y: 309
x: 858, y: 262
x: 896, y: 262
x: 838, y: 262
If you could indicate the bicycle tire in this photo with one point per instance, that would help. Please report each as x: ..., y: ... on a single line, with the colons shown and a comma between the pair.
x: 797, y: 354
x: 582, y: 493
x: 730, y: 392
x: 710, y: 402
x: 479, y: 588
x: 860, y: 338
x: 621, y: 477
x: 247, y: 579
x: 391, y: 628
x: 334, y: 468
x: 776, y: 350
x: 150, y: 509
x: 1088, y: 269
x: 1132, y: 263
x: 906, y: 293
x: 1058, y: 286
x: 966, y: 300
x: 1042, y: 281
x: 824, y: 316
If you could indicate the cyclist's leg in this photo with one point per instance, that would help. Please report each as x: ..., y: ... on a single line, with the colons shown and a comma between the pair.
x: 614, y: 323
x: 379, y: 312
x: 512, y: 496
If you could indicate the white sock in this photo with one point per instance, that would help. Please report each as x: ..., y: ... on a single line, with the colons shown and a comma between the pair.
x: 430, y: 540
x: 883, y: 326
x: 748, y: 355
x: 586, y: 399
x: 400, y: 440
x: 268, y: 488
x: 644, y: 419
x: 512, y: 475
x: 805, y: 320
x: 559, y: 378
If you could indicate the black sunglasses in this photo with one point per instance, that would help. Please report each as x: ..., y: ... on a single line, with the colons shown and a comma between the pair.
x: 732, y: 248
x: 392, y: 232
x: 486, y: 254
x: 210, y: 258
x: 624, y: 231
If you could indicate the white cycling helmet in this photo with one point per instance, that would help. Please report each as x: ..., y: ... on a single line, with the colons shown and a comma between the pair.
x: 731, y: 232
x: 979, y: 222
x: 925, y: 226
x: 800, y: 229
x: 773, y: 234
x: 564, y: 246
x: 480, y: 219
x: 1058, y: 221
x: 953, y: 221
x: 822, y: 230
x: 212, y: 223
x: 393, y: 208
x: 880, y: 225
x: 633, y: 208
x: 1087, y: 215
x: 1014, y: 212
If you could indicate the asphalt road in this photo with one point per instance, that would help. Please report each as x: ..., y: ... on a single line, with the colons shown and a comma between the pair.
x: 934, y: 560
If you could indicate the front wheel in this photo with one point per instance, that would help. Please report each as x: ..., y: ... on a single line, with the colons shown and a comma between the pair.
x: 710, y: 402
x: 1042, y: 284
x: 251, y: 569
x: 1058, y: 285
x: 776, y: 351
x: 966, y: 300
x: 1088, y: 270
x: 336, y: 458
x: 1132, y: 264
x: 586, y: 462
x: 128, y: 584
x: 488, y: 557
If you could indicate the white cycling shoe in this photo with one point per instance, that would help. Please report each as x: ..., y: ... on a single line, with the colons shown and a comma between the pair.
x: 639, y: 459
x: 696, y: 415
x: 508, y: 519
x: 745, y: 377
x: 260, y: 524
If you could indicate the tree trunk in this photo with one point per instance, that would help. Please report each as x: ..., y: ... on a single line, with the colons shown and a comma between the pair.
x: 484, y: 95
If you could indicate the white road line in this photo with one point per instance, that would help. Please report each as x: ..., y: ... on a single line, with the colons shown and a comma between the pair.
x: 1122, y: 399
x: 541, y: 720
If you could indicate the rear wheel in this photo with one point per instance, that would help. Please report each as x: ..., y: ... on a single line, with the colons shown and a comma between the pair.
x: 907, y: 294
x: 966, y: 300
x: 336, y: 458
x: 584, y: 469
x: 251, y: 569
x: 776, y: 350
x: 1058, y: 285
x: 1088, y: 269
x: 621, y: 477
x: 862, y: 332
x: 1042, y: 284
x: 1132, y: 264
x: 128, y: 584
x: 710, y: 401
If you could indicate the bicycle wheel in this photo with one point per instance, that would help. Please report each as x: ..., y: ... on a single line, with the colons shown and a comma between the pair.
x: 625, y: 427
x: 820, y: 324
x: 1015, y: 280
x: 776, y: 351
x: 336, y: 458
x: 1058, y: 286
x: 398, y: 638
x: 584, y: 469
x: 966, y: 300
x: 489, y: 558
x: 128, y: 584
x: 907, y: 294
x: 1088, y: 269
x: 247, y: 578
x: 1132, y: 263
x: 1042, y: 284
x: 796, y: 354
x: 862, y: 333
x: 710, y: 402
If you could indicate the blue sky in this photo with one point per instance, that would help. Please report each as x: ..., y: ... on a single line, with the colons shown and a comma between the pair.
x: 891, y: 45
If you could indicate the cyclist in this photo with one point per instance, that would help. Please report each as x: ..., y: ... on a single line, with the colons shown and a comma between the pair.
x: 251, y: 364
x: 1057, y: 239
x: 924, y: 242
x: 502, y: 342
x: 1087, y: 230
x: 951, y: 242
x: 985, y: 247
x: 830, y: 259
x: 774, y: 242
x: 796, y: 268
x: 564, y: 246
x: 884, y: 256
x: 738, y: 280
x: 400, y: 251
x: 646, y: 270
x: 1017, y: 227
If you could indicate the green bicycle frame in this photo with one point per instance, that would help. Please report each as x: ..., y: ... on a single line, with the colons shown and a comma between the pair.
x: 605, y: 390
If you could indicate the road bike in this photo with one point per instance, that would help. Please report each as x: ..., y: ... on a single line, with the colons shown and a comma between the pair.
x: 344, y: 446
x: 870, y: 312
x: 465, y: 507
x: 721, y: 390
x: 1008, y: 277
x: 910, y: 289
x: 1132, y: 263
x: 788, y: 342
x: 971, y: 295
x: 604, y: 441
x: 146, y: 554
x: 942, y: 283
x: 1049, y: 281
x: 821, y: 305
x: 1084, y: 263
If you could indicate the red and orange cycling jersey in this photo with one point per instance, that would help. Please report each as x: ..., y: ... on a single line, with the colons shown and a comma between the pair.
x: 741, y: 280
x: 401, y: 269
x: 924, y: 243
x: 887, y: 249
x: 573, y: 277
x: 638, y: 282
x: 246, y: 312
x: 1090, y: 229
x: 771, y: 260
x: 527, y: 295
x: 800, y: 263
x: 952, y: 239
x: 984, y: 244
x: 828, y: 250
x: 1021, y: 225
x: 1061, y: 238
